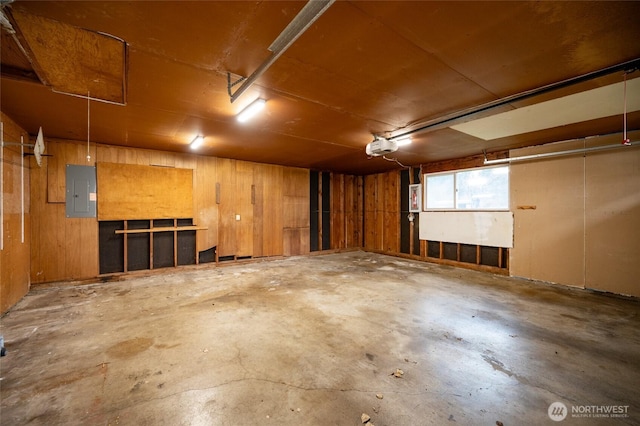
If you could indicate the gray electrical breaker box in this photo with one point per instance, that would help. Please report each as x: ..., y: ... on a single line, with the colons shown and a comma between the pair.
x: 81, y: 191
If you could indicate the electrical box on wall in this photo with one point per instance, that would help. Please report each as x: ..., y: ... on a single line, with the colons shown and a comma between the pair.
x: 81, y: 191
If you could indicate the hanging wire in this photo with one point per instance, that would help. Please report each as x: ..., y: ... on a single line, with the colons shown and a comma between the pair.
x: 88, y: 124
x: 625, y: 140
x: 396, y: 161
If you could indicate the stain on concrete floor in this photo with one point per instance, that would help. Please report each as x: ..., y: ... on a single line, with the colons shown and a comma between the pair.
x: 316, y: 340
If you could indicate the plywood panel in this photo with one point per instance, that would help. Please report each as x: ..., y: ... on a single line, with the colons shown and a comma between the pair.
x: 38, y: 193
x: 226, y: 187
x: 268, y: 214
x: 135, y: 156
x: 107, y: 154
x: 14, y: 257
x: 74, y: 60
x: 296, y: 210
x: 296, y: 241
x: 259, y: 219
x: 613, y: 221
x: 296, y: 198
x: 548, y: 240
x: 56, y: 170
x: 243, y: 208
x: 61, y: 248
x: 205, y: 207
x: 81, y: 257
x: 128, y: 191
x: 162, y: 158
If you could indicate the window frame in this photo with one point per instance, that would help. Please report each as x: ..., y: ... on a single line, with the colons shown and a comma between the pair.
x: 454, y: 174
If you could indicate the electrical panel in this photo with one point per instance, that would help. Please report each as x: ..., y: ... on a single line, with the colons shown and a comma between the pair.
x: 81, y: 191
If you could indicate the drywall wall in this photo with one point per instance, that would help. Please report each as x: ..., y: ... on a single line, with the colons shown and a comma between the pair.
x: 577, y: 218
x: 14, y: 256
x: 547, y: 199
x: 493, y: 229
x: 612, y: 221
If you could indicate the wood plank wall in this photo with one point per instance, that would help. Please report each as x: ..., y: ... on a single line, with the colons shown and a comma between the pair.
x: 61, y: 248
x: 14, y: 256
x: 272, y: 201
x: 347, y: 206
x: 269, y: 210
x: 354, y: 212
x: 296, y: 214
x: 382, y: 212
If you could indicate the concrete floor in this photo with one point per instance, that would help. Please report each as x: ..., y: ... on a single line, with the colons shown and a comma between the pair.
x: 316, y: 341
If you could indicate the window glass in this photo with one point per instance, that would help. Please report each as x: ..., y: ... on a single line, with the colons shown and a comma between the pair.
x: 477, y: 189
x: 483, y: 189
x: 440, y: 191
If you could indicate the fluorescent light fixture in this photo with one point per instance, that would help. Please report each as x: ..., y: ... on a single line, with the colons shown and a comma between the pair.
x: 250, y: 111
x: 196, y: 142
x: 402, y: 141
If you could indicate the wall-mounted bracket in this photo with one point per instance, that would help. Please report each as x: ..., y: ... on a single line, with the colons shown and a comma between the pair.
x: 230, y: 84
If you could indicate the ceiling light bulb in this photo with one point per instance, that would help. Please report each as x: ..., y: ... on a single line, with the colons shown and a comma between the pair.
x: 196, y: 142
x: 406, y: 140
x: 250, y: 111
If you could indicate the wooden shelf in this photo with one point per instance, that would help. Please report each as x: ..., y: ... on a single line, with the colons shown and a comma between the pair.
x: 166, y: 229
x: 133, y: 245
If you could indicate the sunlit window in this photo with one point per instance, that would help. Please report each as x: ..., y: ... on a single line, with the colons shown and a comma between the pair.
x: 477, y: 189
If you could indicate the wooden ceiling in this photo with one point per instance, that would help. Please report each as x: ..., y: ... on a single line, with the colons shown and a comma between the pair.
x: 363, y: 68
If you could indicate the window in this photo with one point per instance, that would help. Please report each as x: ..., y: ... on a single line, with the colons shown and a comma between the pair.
x: 478, y: 189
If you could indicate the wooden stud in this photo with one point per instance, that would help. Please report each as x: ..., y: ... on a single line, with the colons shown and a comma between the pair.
x: 175, y: 242
x: 411, y: 224
x: 320, y: 211
x: 151, y: 246
x: 126, y: 248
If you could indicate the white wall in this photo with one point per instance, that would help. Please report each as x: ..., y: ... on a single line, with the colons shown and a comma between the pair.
x: 577, y: 218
